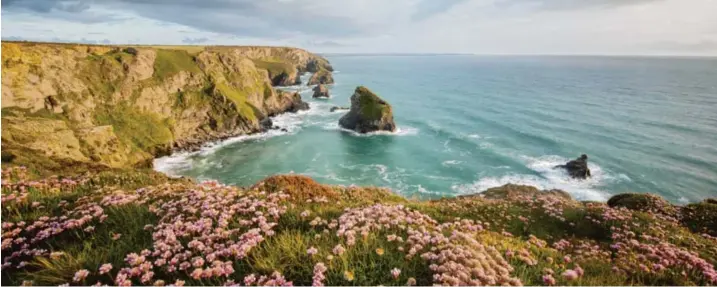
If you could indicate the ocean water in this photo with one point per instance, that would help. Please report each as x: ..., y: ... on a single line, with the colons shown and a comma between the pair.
x: 468, y: 123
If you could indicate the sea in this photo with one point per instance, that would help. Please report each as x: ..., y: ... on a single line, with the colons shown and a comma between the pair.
x: 467, y: 123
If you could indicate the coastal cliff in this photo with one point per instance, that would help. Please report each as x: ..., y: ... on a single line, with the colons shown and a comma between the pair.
x: 70, y: 105
x: 80, y: 125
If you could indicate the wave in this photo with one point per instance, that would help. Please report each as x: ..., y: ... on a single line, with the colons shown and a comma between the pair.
x: 288, y: 123
x: 550, y: 178
x: 400, y: 131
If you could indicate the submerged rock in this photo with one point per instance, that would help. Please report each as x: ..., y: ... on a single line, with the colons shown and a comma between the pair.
x: 368, y: 113
x: 322, y: 76
x: 266, y: 123
x: 577, y: 168
x: 336, y: 108
x: 321, y: 91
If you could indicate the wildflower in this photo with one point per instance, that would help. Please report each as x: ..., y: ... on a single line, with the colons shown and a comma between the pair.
x: 249, y: 279
x: 395, y: 272
x: 105, y: 268
x: 570, y: 275
x: 339, y: 249
x: 379, y: 251
x: 329, y: 257
x: 318, y: 279
x: 89, y: 229
x: 391, y: 237
x: 348, y: 275
x: 305, y: 213
x: 567, y: 259
x: 311, y: 251
x: 81, y: 275
x: 411, y: 282
x: 115, y: 236
x: 548, y: 280
x: 178, y: 283
x: 579, y: 270
x: 197, y: 273
x: 159, y: 283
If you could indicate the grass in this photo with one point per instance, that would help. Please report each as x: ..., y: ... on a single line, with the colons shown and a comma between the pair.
x: 144, y: 131
x: 372, y: 106
x: 275, y: 68
x: 513, y: 224
x: 170, y: 62
x: 239, y: 98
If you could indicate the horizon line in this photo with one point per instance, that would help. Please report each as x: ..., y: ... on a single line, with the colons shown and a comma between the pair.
x: 656, y: 55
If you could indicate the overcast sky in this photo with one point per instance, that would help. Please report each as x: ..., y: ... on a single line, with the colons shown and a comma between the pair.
x: 606, y: 27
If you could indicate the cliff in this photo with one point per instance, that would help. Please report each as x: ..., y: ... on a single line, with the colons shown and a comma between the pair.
x: 70, y: 105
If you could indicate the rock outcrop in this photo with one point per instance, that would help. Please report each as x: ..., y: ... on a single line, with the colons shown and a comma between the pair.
x: 322, y: 76
x: 577, y: 168
x: 320, y: 91
x: 368, y: 113
x: 337, y: 108
x: 120, y: 106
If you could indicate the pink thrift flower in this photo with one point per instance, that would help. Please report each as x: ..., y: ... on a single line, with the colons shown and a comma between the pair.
x: 81, y: 275
x: 570, y: 275
x: 548, y: 280
x: 312, y: 251
x: 395, y: 272
x: 105, y: 268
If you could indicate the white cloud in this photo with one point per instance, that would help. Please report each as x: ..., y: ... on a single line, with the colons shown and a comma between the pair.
x: 463, y: 26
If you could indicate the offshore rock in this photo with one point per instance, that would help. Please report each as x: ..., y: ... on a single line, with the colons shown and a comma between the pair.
x: 368, y: 113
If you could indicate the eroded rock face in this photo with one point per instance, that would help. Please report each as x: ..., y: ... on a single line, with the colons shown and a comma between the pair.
x: 320, y: 91
x: 322, y: 76
x: 577, y: 168
x: 368, y: 113
x: 121, y: 106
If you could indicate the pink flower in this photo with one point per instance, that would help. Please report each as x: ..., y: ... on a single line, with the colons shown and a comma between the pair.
x: 312, y: 251
x: 567, y: 259
x: 395, y: 272
x: 179, y: 283
x: 339, y: 249
x: 548, y: 280
x: 105, y: 268
x: 81, y: 275
x: 570, y: 275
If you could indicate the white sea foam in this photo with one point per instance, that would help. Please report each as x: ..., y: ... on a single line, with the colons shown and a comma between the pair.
x: 548, y: 178
x: 451, y: 162
x: 290, y: 123
x: 400, y: 131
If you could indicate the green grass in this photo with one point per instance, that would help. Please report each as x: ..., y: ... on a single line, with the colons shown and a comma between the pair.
x: 275, y: 68
x: 147, y: 132
x: 239, y: 98
x: 170, y: 62
x: 371, y: 105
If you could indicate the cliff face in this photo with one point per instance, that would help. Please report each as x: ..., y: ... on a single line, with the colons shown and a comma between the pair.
x: 121, y: 106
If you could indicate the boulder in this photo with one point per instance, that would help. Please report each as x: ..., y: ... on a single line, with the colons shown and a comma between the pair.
x: 701, y: 217
x: 644, y: 202
x: 368, y: 113
x: 577, y: 168
x: 320, y: 91
x: 322, y: 76
x: 297, y: 104
x: 266, y: 123
x: 336, y: 108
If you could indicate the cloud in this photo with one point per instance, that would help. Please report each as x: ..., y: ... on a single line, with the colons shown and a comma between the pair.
x: 571, y: 4
x: 428, y: 8
x: 195, y: 40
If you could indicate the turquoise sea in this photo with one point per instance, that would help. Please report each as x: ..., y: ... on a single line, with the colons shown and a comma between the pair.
x: 468, y: 123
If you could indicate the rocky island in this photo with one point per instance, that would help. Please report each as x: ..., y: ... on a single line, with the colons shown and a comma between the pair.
x: 368, y: 113
x: 82, y: 206
x: 321, y: 92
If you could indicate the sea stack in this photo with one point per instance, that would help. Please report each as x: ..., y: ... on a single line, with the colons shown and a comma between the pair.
x: 320, y: 91
x: 577, y: 168
x: 322, y: 76
x: 368, y: 113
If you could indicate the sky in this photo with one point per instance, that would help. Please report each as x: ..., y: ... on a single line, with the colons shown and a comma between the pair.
x: 561, y: 27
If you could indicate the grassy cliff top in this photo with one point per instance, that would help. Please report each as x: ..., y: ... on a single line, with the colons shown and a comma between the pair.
x: 371, y: 105
x: 141, y: 228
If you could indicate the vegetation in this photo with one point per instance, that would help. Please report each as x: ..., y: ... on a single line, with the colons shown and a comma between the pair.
x: 291, y: 230
x: 171, y: 62
x: 372, y: 106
